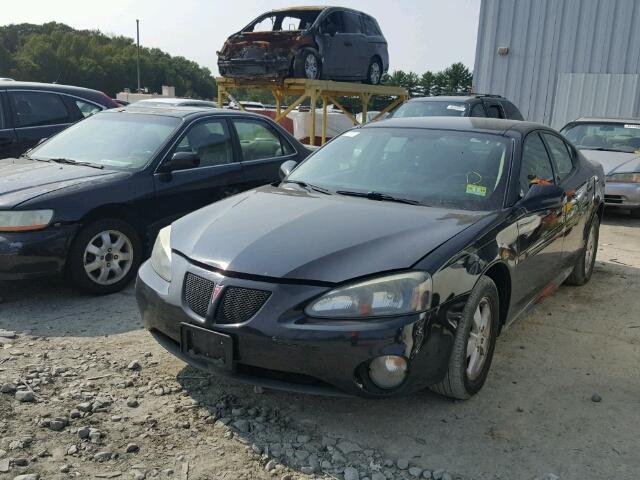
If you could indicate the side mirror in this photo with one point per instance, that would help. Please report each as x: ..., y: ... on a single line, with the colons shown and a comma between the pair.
x: 287, y: 167
x: 182, y: 161
x: 542, y: 196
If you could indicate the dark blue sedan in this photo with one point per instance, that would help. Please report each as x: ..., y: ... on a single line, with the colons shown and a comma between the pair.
x: 89, y: 200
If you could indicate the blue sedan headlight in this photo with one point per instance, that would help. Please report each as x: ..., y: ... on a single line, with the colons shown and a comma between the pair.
x: 389, y: 295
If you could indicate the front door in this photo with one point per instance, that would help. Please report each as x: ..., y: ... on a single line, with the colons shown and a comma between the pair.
x: 335, y: 49
x: 8, y: 140
x: 540, y: 230
x: 217, y: 174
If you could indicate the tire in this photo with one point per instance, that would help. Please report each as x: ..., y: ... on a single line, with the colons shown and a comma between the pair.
x: 466, y: 376
x: 123, y: 251
x: 583, y: 269
x: 302, y: 64
x: 374, y: 72
x: 635, y: 213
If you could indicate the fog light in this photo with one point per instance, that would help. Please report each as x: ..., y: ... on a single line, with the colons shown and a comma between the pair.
x: 388, y: 371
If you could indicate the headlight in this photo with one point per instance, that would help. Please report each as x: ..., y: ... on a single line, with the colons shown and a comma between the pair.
x: 161, y: 254
x: 24, y: 220
x: 624, y: 178
x: 397, y: 294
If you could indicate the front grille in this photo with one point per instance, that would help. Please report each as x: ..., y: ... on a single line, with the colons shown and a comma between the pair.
x: 613, y: 199
x: 240, y: 304
x: 197, y: 293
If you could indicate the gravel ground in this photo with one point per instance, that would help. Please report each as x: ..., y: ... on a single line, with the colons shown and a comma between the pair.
x: 86, y: 393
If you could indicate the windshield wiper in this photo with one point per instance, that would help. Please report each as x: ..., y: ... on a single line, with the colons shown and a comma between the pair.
x: 308, y: 186
x: 379, y: 196
x: 68, y: 161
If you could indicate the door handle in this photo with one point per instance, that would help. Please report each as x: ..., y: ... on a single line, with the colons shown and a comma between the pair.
x: 348, y: 44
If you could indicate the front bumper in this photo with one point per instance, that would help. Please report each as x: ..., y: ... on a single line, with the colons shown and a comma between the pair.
x: 622, y: 195
x: 25, y: 255
x: 281, y: 348
x: 269, y: 67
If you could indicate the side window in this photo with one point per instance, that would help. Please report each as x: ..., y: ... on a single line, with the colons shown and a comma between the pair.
x: 494, y: 111
x: 352, y: 23
x: 334, y: 18
x: 34, y: 109
x: 258, y: 141
x: 511, y: 111
x: 478, y: 111
x: 87, y: 108
x: 370, y: 26
x: 535, y: 166
x: 210, y: 140
x: 560, y: 154
x: 1, y: 112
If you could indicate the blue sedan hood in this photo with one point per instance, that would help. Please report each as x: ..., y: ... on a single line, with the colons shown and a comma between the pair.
x: 23, y: 179
x: 291, y: 234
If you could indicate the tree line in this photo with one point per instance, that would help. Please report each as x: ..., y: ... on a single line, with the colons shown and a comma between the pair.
x: 54, y: 52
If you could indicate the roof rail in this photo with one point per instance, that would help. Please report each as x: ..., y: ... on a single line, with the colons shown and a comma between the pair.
x: 489, y: 95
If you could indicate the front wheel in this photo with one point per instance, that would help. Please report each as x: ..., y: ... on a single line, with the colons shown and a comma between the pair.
x: 307, y: 64
x: 374, y: 73
x: 473, y: 344
x: 583, y: 269
x: 105, y: 256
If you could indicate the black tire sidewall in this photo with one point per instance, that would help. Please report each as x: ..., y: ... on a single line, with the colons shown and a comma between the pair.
x: 485, y: 288
x: 75, y: 260
x: 589, y: 271
x: 298, y: 64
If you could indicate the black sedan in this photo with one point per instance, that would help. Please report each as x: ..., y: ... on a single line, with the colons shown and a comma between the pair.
x: 88, y: 201
x: 388, y: 261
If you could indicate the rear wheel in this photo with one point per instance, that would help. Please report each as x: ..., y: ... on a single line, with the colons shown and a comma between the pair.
x: 105, y: 256
x: 307, y: 64
x: 374, y: 73
x: 583, y: 268
x: 473, y: 344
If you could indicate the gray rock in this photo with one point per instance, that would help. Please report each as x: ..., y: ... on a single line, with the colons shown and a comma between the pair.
x: 402, y: 463
x: 348, y: 447
x: 83, y: 432
x: 328, y: 441
x: 438, y: 474
x: 4, y: 466
x: 378, y: 476
x: 7, y: 333
x: 8, y: 388
x: 241, y: 425
x: 303, y: 438
x: 135, y: 365
x: 58, y: 424
x: 25, y: 396
x: 286, y: 476
x: 427, y: 474
x: 351, y: 473
x: 326, y: 465
x: 27, y: 476
x: 102, y: 456
x: 551, y: 476
x: 133, y: 448
x: 237, y: 412
x: 271, y: 465
x: 75, y: 413
x: 594, y: 398
x: 415, y: 472
x: 72, y: 450
x: 20, y: 462
x: 65, y: 468
x: 95, y: 435
x: 84, y: 406
x: 446, y: 476
x: 337, y: 457
x: 132, y: 402
x: 301, y: 455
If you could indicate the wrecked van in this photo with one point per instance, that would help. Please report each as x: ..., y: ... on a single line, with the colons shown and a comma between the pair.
x: 307, y: 42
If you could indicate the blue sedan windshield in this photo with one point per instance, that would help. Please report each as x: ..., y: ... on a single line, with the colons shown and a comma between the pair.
x: 464, y: 170
x: 118, y: 140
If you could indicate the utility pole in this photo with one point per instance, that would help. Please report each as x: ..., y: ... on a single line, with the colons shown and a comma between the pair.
x: 138, y: 52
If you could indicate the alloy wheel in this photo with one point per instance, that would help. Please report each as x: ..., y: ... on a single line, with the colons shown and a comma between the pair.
x: 479, y: 339
x: 374, y: 73
x: 108, y: 257
x: 311, y: 66
x: 590, y: 249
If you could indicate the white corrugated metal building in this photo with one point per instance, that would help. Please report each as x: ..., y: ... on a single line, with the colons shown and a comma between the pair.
x: 561, y: 59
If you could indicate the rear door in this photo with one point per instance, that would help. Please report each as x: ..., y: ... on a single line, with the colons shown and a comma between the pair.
x: 219, y: 174
x: 540, y: 230
x: 37, y: 115
x: 359, y: 51
x: 262, y: 150
x: 8, y: 139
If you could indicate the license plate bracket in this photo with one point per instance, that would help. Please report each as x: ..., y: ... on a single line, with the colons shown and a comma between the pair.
x: 213, y: 347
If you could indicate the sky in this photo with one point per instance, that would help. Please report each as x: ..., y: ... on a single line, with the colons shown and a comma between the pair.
x: 422, y: 34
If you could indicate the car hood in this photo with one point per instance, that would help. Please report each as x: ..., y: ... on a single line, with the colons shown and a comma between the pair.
x: 22, y: 179
x: 614, y: 162
x: 293, y: 235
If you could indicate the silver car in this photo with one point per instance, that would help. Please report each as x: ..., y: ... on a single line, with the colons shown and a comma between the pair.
x: 614, y: 143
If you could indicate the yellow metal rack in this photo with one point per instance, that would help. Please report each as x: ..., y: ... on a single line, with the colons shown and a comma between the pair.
x: 325, y: 90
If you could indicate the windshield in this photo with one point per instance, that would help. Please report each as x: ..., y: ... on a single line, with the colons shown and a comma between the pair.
x: 463, y: 170
x: 287, y: 20
x: 617, y: 137
x: 430, y: 108
x: 118, y: 140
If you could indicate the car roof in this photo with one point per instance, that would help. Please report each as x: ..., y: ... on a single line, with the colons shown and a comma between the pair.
x: 467, y: 124
x: 47, y: 86
x: 183, y: 112
x: 606, y: 120
x: 172, y: 100
x: 443, y: 98
x: 305, y: 7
